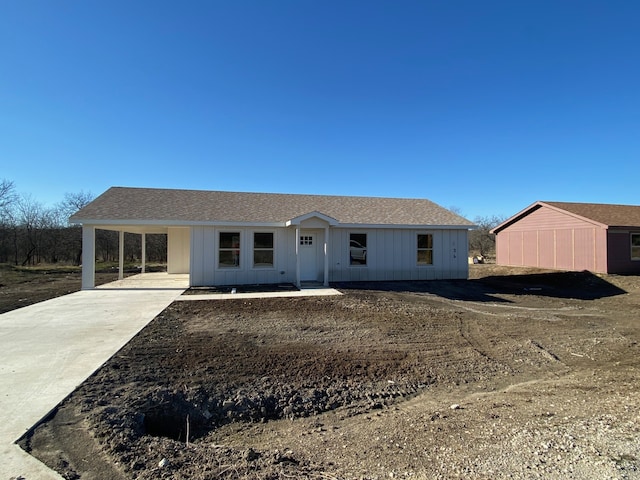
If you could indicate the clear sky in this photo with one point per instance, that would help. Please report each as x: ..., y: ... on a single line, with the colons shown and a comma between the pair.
x: 486, y: 106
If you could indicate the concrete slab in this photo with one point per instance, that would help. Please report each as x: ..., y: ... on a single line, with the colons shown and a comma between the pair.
x: 305, y: 292
x: 49, y: 348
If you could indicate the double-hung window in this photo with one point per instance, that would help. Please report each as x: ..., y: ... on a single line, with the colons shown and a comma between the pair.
x: 635, y: 246
x: 229, y: 250
x: 425, y: 249
x: 262, y: 249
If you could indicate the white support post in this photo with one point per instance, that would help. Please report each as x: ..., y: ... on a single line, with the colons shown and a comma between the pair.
x: 121, y: 256
x: 144, y: 253
x: 298, y: 257
x: 88, y: 257
x: 326, y: 257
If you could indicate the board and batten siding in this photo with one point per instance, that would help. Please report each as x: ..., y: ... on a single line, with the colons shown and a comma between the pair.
x: 204, y: 261
x: 546, y: 238
x: 391, y: 255
x: 178, y: 251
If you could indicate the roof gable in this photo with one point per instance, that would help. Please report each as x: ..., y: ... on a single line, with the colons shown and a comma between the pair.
x: 298, y: 220
x: 149, y: 206
x: 603, y: 215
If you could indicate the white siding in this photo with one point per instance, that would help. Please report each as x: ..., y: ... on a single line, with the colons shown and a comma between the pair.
x: 204, y: 262
x: 178, y: 252
x: 391, y: 255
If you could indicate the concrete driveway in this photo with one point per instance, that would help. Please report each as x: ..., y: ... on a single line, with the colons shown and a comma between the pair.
x: 48, y: 349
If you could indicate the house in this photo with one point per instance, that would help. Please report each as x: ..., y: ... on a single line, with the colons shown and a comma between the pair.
x: 227, y: 238
x: 599, y: 238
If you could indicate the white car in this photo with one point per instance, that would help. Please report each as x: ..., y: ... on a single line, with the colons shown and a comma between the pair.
x: 357, y: 251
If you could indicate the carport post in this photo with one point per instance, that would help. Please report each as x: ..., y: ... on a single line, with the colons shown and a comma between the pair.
x: 88, y: 257
x: 298, y: 257
x: 326, y: 257
x: 121, y: 256
x: 144, y: 253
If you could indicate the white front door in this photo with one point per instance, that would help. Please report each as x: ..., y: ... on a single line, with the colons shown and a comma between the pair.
x: 308, y: 257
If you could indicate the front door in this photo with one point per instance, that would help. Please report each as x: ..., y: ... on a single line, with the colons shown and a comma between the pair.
x: 308, y: 256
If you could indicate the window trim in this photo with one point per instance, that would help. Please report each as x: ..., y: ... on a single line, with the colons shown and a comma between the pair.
x: 632, y: 246
x: 418, y: 250
x: 366, y: 250
x: 272, y: 249
x: 226, y: 249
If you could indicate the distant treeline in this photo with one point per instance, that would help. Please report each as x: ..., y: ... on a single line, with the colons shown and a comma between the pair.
x: 32, y: 234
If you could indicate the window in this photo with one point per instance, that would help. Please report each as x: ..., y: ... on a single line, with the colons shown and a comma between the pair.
x: 635, y: 246
x: 306, y: 240
x: 425, y: 249
x: 358, y: 249
x: 263, y: 249
x: 229, y: 250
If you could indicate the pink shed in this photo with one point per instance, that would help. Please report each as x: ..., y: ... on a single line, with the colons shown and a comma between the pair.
x: 600, y: 238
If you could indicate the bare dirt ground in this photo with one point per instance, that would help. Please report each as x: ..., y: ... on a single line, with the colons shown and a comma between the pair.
x: 20, y: 287
x: 513, y: 374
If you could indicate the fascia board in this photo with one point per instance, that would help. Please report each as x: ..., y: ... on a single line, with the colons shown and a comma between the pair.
x: 514, y: 218
x: 174, y: 223
x: 406, y: 227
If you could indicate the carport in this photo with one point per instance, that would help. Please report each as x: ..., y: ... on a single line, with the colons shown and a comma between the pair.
x: 178, y: 240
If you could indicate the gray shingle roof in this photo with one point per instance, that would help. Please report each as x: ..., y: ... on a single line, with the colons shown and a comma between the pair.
x: 146, y: 205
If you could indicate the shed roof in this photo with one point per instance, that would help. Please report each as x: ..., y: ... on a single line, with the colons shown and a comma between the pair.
x: 152, y: 206
x: 607, y: 215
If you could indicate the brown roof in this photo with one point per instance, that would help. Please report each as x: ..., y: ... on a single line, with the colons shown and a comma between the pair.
x: 149, y: 205
x: 606, y: 214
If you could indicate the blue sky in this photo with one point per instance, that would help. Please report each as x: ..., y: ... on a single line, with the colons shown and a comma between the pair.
x: 483, y: 106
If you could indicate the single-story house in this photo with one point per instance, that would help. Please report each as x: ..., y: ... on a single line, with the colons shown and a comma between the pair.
x: 600, y: 238
x: 232, y: 238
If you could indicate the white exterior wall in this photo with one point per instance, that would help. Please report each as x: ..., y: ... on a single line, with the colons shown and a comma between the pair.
x: 391, y: 255
x: 178, y: 251
x: 204, y: 260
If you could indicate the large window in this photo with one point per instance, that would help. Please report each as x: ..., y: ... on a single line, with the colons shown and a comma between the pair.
x: 635, y: 246
x: 358, y: 249
x: 263, y: 249
x: 425, y: 249
x: 229, y: 250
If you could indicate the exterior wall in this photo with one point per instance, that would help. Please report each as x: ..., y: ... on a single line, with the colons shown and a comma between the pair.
x: 619, y: 252
x: 178, y: 251
x: 549, y: 239
x: 391, y: 255
x: 204, y: 258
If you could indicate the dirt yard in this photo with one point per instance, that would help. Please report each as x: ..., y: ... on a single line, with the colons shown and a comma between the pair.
x: 20, y: 287
x: 512, y: 374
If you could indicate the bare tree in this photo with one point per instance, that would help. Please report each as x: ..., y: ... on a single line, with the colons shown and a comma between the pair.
x: 8, y: 232
x: 481, y: 241
x: 73, y: 202
x: 72, y: 238
x: 7, y: 196
x: 456, y: 210
x: 31, y: 220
